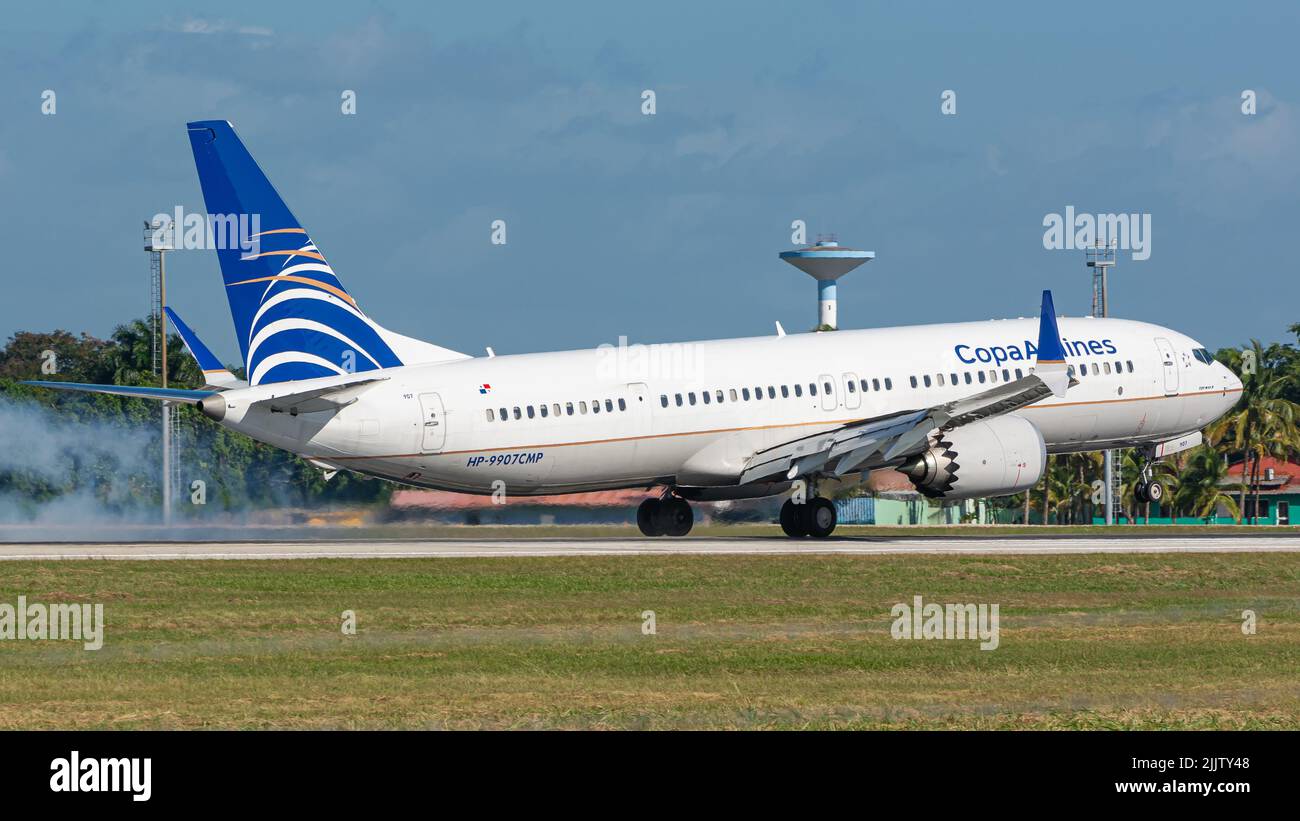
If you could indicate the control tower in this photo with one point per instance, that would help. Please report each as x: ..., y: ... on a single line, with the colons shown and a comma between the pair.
x: 826, y: 261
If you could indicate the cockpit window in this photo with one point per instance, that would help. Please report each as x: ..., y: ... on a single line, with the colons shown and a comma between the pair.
x: 1203, y: 355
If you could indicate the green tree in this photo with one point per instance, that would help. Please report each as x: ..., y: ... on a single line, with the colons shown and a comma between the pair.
x: 1263, y: 421
x: 1200, y: 485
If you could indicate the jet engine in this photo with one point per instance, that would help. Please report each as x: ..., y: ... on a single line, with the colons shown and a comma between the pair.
x: 992, y: 457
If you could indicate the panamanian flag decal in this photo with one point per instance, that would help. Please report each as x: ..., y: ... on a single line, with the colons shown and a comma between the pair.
x: 485, y: 388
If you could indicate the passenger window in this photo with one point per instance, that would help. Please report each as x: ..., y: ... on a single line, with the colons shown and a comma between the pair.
x: 981, y: 375
x: 1019, y: 374
x: 785, y: 391
x: 690, y: 397
x: 504, y: 415
x: 517, y: 413
x: 953, y: 379
x: 967, y: 377
x: 798, y: 389
x: 1130, y: 365
x: 852, y: 388
x: 993, y: 377
x: 771, y: 392
x: 678, y: 398
x: 568, y: 407
x: 663, y: 400
x: 875, y: 384
x: 1107, y: 368
x: 490, y: 415
x: 913, y: 378
x: 926, y: 379
x: 582, y: 408
x: 705, y: 396
x: 1070, y: 371
x: 595, y: 406
x: 732, y: 391
x: 719, y: 396
x: 621, y: 404
x: 543, y: 409
x: 745, y: 393
x: 1006, y: 375
x: 863, y: 383
x: 830, y: 389
x: 812, y: 388
x: 609, y: 405
x: 889, y: 384
x: 1095, y: 370
x: 758, y: 393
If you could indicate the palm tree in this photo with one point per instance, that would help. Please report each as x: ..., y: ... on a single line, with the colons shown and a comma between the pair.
x: 1200, y: 488
x: 1262, y: 420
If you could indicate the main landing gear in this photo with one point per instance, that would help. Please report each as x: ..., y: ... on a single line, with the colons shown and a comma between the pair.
x: 1147, y: 489
x: 815, y: 517
x: 667, y: 516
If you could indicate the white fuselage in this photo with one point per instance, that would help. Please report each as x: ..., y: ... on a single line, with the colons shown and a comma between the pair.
x: 613, y: 417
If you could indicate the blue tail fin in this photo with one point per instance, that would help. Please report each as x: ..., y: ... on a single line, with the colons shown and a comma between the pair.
x: 293, y: 317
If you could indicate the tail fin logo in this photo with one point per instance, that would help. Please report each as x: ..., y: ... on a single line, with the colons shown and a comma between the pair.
x: 306, y: 324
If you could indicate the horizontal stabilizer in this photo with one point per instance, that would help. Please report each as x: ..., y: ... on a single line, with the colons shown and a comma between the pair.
x: 331, y: 398
x: 164, y: 394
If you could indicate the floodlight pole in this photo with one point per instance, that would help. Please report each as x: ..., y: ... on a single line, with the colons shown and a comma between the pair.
x: 1101, y: 258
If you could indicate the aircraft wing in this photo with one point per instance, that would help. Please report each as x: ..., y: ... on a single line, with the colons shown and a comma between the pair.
x: 881, y: 440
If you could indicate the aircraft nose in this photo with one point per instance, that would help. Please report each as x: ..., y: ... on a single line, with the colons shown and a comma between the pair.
x: 1234, y: 381
x: 1231, y: 385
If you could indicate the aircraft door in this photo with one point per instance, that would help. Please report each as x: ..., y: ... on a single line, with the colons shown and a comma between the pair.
x: 1169, y: 361
x: 435, y: 428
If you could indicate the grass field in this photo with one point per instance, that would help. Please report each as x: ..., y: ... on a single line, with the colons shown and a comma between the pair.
x: 1143, y: 641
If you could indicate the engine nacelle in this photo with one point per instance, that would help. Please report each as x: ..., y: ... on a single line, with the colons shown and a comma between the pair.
x: 994, y: 457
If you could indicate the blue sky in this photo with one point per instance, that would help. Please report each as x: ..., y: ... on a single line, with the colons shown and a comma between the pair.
x: 663, y: 227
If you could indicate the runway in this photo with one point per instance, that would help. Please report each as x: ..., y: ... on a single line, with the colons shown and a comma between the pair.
x: 735, y: 546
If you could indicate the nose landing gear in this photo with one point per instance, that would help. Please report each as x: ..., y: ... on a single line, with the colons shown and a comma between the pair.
x: 1147, y: 489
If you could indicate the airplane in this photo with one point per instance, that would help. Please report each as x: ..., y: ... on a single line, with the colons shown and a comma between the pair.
x: 964, y: 410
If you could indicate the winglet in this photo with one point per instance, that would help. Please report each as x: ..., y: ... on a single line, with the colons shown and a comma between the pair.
x: 215, y: 374
x: 1051, y: 367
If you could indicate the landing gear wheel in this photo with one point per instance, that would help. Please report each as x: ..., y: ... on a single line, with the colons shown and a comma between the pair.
x: 792, y: 520
x: 819, y: 517
x: 647, y: 518
x: 674, y: 517
x: 1155, y: 492
x: 1140, y: 492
